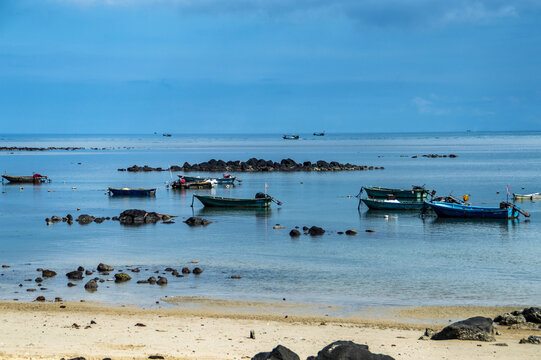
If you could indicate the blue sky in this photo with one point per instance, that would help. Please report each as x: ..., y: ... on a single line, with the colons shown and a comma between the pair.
x: 281, y: 66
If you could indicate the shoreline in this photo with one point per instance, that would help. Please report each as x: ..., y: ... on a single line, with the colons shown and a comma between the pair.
x: 217, y: 330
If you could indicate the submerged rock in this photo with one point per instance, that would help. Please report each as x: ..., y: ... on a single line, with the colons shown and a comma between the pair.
x: 122, y: 277
x: 91, y: 285
x: 294, y: 233
x: 197, y: 221
x: 75, y: 275
x: 48, y: 273
x: 316, y: 230
x: 103, y: 267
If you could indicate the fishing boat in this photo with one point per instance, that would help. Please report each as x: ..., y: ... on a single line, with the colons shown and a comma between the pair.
x: 36, y: 179
x: 383, y: 204
x: 180, y: 184
x: 417, y: 193
x: 225, y: 180
x: 533, y: 196
x: 260, y: 201
x: 131, y: 192
x: 505, y: 211
x: 291, y: 137
x: 319, y: 133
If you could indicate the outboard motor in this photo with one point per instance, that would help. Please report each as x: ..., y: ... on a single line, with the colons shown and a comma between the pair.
x: 260, y: 195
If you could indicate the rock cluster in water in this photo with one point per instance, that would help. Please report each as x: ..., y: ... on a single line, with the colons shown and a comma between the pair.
x: 127, y: 217
x: 435, y: 156
x: 257, y: 165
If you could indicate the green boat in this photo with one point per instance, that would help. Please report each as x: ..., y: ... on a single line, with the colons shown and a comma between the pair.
x: 260, y: 201
x: 417, y: 193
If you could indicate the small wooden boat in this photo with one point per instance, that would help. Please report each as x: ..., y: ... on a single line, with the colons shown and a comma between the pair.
x: 505, y: 211
x: 319, y: 134
x: 291, y: 137
x: 131, y: 192
x: 36, y: 178
x: 179, y: 184
x: 417, y: 193
x: 260, y: 201
x: 226, y: 180
x: 533, y: 196
x: 380, y: 204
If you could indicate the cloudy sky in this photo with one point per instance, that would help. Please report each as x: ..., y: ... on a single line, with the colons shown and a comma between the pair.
x: 280, y: 66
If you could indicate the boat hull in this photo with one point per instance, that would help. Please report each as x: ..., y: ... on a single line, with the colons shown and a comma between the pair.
x: 132, y: 192
x: 24, y: 179
x: 213, y: 201
x: 375, y: 204
x: 220, y: 181
x: 412, y: 195
x: 191, y: 185
x: 451, y: 210
x: 534, y: 196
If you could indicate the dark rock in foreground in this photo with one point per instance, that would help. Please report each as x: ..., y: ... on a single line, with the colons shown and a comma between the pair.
x: 526, y: 317
x: 122, y: 277
x: 294, y: 233
x: 347, y: 350
x: 75, y: 275
x: 476, y: 328
x: 91, y: 285
x: 256, y: 165
x: 137, y: 217
x: 48, y: 273
x: 85, y: 219
x: 197, y: 221
x: 278, y: 353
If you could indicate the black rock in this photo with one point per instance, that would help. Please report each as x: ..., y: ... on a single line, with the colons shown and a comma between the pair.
x: 103, y: 267
x: 197, y: 221
x: 532, y: 314
x: 48, y: 273
x: 162, y: 281
x: 278, y: 353
x: 316, y: 230
x: 152, y: 280
x: 476, y: 328
x: 75, y: 275
x: 532, y: 339
x: 294, y: 233
x: 348, y: 350
x: 91, y: 285
x: 197, y: 271
x: 85, y: 219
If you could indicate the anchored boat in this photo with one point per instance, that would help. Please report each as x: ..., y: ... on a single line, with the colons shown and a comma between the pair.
x: 225, y: 180
x: 505, y: 211
x: 260, y: 201
x: 417, y: 193
x: 36, y: 179
x: 131, y: 192
x: 533, y: 196
x: 290, y: 137
x: 379, y: 204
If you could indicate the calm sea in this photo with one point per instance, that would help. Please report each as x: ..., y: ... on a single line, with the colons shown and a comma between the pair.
x: 408, y: 260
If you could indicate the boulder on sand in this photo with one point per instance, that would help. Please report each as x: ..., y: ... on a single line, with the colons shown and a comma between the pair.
x: 347, y: 350
x: 278, y: 353
x: 477, y: 328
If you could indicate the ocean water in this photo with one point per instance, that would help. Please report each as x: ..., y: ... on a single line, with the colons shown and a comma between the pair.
x: 408, y: 260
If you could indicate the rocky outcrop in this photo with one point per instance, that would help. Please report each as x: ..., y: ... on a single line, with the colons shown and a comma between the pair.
x: 532, y: 339
x: 75, y: 275
x: 278, y: 353
x: 256, y: 165
x: 476, y: 328
x: 138, y: 217
x: 347, y: 350
x: 48, y: 273
x: 85, y: 219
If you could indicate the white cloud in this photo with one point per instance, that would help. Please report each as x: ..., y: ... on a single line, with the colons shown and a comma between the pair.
x: 425, y: 106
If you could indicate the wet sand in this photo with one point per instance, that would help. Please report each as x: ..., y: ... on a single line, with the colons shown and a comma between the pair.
x: 198, y: 328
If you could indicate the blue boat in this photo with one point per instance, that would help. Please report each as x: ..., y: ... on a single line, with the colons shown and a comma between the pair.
x: 378, y: 204
x: 505, y: 211
x: 131, y: 192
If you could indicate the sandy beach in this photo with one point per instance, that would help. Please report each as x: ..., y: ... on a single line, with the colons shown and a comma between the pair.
x: 219, y: 330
